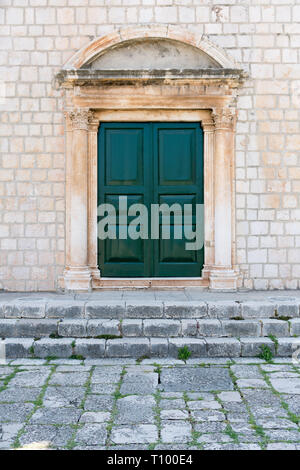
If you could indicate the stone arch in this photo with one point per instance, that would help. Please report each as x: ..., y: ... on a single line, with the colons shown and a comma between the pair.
x: 100, y: 46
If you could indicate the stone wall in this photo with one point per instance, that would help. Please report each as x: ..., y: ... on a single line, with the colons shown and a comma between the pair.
x: 38, y: 36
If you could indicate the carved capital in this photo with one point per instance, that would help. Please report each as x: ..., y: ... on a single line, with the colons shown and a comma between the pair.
x: 224, y: 118
x: 80, y: 118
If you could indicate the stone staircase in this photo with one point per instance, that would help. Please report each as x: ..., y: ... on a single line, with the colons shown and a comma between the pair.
x: 141, y: 325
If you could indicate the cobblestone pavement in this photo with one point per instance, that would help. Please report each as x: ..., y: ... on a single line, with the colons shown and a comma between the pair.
x: 119, y: 404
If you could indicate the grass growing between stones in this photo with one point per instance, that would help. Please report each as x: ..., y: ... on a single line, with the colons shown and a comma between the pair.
x: 114, y: 410
x: 266, y: 353
x: 184, y: 354
x: 195, y: 434
x: 38, y: 403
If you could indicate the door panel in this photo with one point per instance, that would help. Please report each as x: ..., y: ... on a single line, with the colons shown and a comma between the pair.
x: 151, y: 163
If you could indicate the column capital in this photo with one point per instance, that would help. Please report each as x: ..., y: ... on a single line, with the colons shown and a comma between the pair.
x: 224, y: 118
x: 80, y: 118
x: 208, y: 125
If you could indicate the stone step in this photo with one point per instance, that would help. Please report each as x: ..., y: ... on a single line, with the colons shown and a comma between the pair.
x: 52, y: 308
x: 11, y: 348
x: 160, y: 328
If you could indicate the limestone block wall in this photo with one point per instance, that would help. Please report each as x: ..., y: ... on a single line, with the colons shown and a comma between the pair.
x: 38, y: 36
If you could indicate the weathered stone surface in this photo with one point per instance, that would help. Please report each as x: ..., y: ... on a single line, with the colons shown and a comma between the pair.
x: 55, y: 416
x: 275, y: 327
x: 103, y: 327
x: 223, y: 347
x: 190, y: 327
x: 8, y: 328
x: 286, y: 385
x: 159, y: 347
x: 61, y: 347
x: 55, y: 436
x: 99, y: 403
x: 193, y: 379
x: 69, y: 378
x: 9, y: 412
x: 128, y: 347
x: 30, y: 378
x: 258, y: 309
x: 191, y: 309
x: 162, y: 328
x: 19, y: 394
x: 144, y: 309
x: 287, y: 346
x: 237, y: 328
x: 139, y: 434
x: 105, y: 309
x: 65, y: 309
x: 253, y: 346
x: 63, y: 396
x: 96, y: 417
x: 295, y: 326
x: 36, y: 328
x: 173, y: 431
x: 18, y: 347
x: 139, y: 383
x: 223, y: 309
x: 92, y: 434
x: 72, y: 328
x: 174, y: 414
x: 196, y: 346
x: 210, y: 327
x: 90, y: 348
x: 132, y: 327
x: 135, y: 410
x: 230, y: 396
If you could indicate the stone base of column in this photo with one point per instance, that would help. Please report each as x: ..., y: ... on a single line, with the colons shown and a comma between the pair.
x: 223, y: 279
x: 77, y: 278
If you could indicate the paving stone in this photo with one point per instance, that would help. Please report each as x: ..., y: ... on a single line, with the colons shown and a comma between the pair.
x: 246, y: 372
x: 104, y: 389
x: 54, y: 435
x: 261, y: 397
x: 230, y: 396
x: 213, y: 438
x: 223, y: 347
x: 237, y: 328
x: 30, y: 378
x: 103, y: 376
x: 176, y: 431
x: 267, y: 411
x: 281, y: 446
x: 130, y: 447
x: 69, y: 378
x: 283, y: 435
x: 196, y: 346
x: 252, y: 383
x: 128, y: 347
x: 59, y: 397
x: 139, y: 434
x: 12, y: 413
x: 137, y: 384
x: 90, y: 348
x: 191, y: 379
x: 56, y: 416
x: 276, y: 423
x: 92, y: 434
x: 99, y: 403
x: 223, y: 309
x: 252, y: 347
x: 202, y: 405
x: 19, y: 394
x: 182, y: 310
x: 135, y: 410
x: 212, y: 426
x: 159, y: 347
x: 161, y: 328
x: 98, y: 417
x: 65, y: 309
x: 275, y: 327
x: 209, y: 328
x: 103, y: 327
x: 293, y: 403
x: 174, y: 414
x: 105, y: 309
x: 132, y: 327
x: 72, y: 328
x: 172, y: 404
x: 18, y: 347
x: 207, y: 415
x: 286, y: 385
x: 200, y: 396
x: 145, y: 309
x: 61, y: 347
x: 232, y: 447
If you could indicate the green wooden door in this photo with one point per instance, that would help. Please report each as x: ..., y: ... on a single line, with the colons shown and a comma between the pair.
x: 150, y: 163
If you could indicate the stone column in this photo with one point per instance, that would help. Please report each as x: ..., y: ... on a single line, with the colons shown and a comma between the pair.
x: 92, y: 198
x: 77, y: 274
x: 222, y: 276
x: 208, y: 129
